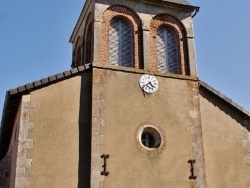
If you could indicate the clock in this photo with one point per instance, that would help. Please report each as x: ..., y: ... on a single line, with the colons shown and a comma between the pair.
x: 148, y: 83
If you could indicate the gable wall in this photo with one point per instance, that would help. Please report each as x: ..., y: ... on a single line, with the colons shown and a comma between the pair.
x: 55, y: 134
x: 224, y: 136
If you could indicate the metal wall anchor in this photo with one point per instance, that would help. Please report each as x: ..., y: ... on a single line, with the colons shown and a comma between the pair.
x: 192, y: 169
x: 104, y: 172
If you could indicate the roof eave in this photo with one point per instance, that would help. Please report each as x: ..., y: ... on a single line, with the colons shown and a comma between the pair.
x: 79, y: 21
x: 9, y: 110
x: 183, y: 7
x: 13, y: 99
x: 224, y: 98
x: 187, y: 8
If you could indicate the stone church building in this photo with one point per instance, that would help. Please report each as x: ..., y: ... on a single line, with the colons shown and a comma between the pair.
x: 130, y: 113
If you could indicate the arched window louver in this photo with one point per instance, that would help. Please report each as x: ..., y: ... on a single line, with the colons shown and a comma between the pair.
x: 120, y: 43
x: 167, y: 51
x: 89, y: 44
x: 77, y: 61
x: 78, y: 56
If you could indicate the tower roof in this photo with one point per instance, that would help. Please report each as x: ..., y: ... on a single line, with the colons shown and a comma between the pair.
x: 183, y: 2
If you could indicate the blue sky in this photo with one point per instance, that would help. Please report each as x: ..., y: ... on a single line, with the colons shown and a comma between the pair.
x: 34, y: 37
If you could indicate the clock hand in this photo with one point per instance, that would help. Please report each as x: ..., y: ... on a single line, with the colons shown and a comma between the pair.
x: 145, y: 85
x: 151, y: 84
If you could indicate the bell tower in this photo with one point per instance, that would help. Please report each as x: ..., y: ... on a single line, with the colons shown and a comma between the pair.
x: 130, y: 113
x: 145, y: 120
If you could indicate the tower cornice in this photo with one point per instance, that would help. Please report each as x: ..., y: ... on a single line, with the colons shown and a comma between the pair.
x: 181, y: 5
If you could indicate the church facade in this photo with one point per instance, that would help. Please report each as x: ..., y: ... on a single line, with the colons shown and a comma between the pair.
x: 130, y: 113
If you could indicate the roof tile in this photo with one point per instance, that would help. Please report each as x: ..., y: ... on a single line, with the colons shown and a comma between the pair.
x: 60, y: 75
x: 13, y: 96
x: 37, y: 83
x: 223, y: 97
x: 74, y: 70
x: 81, y: 68
x: 67, y: 73
x: 13, y: 91
x: 29, y: 86
x: 45, y: 80
x: 52, y: 78
x: 21, y: 88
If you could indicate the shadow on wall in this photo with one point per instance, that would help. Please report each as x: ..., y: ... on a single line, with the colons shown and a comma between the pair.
x: 5, y: 170
x: 85, y: 113
x: 224, y: 106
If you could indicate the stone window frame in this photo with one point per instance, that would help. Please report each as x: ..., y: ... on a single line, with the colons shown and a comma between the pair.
x: 88, y: 43
x: 172, y: 23
x: 161, y: 139
x: 130, y: 17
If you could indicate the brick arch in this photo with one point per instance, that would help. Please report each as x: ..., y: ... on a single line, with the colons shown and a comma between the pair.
x: 88, y: 39
x: 130, y: 17
x: 179, y: 30
x: 77, y: 52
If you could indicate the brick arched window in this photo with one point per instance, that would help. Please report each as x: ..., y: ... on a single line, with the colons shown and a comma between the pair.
x: 120, y: 43
x: 122, y: 27
x: 89, y: 39
x: 168, y: 45
x: 167, y: 51
x: 78, y: 52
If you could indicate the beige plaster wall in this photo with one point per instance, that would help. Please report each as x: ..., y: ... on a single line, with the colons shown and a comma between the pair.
x: 55, y: 153
x: 124, y: 108
x: 223, y: 135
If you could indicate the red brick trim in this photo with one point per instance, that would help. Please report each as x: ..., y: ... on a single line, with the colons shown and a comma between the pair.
x: 77, y: 52
x: 88, y: 39
x: 128, y: 15
x: 177, y: 27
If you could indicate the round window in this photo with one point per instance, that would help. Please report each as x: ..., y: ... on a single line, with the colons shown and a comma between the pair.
x: 150, y: 139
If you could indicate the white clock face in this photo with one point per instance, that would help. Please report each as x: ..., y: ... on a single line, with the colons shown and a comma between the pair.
x: 148, y: 83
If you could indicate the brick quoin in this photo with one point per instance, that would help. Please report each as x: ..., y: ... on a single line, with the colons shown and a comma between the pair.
x: 128, y: 15
x: 176, y: 26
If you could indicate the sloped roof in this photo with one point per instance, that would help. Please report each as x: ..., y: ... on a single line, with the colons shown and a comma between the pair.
x: 13, y: 98
x: 224, y: 98
x: 183, y: 2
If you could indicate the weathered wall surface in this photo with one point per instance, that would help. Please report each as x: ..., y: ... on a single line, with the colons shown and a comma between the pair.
x: 120, y: 109
x: 22, y: 158
x: 55, y: 135
x: 224, y: 134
